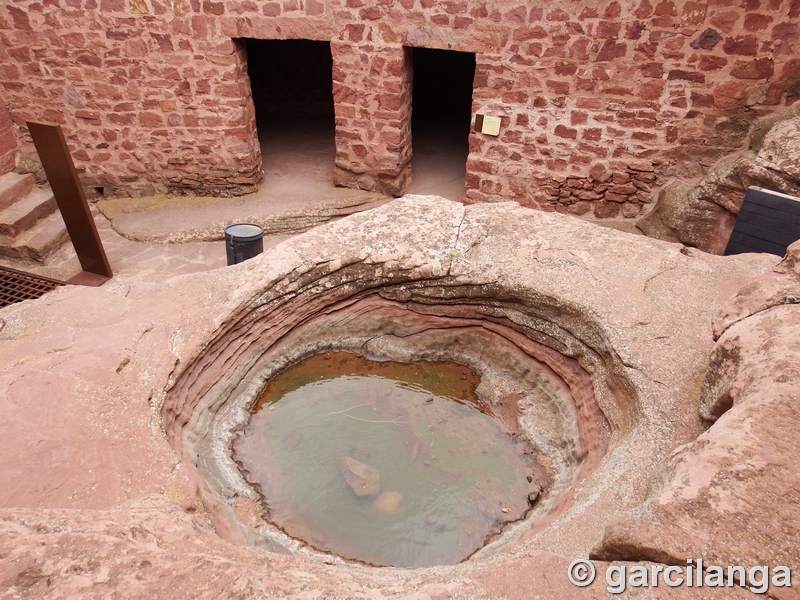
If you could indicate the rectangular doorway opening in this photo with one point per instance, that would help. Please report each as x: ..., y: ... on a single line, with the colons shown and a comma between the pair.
x: 441, y: 114
x: 291, y: 84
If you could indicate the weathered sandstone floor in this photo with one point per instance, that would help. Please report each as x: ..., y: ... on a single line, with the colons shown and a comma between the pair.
x: 103, y: 391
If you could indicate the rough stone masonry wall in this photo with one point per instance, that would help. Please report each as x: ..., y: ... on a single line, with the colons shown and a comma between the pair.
x: 151, y: 96
x: 601, y: 102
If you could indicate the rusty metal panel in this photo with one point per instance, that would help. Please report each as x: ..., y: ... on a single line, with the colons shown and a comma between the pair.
x: 57, y: 162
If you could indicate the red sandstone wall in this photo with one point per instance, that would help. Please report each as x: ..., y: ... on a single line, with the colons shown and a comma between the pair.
x: 8, y: 141
x: 150, y: 95
x: 601, y: 101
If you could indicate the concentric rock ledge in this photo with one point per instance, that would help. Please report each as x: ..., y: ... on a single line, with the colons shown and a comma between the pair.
x: 113, y: 394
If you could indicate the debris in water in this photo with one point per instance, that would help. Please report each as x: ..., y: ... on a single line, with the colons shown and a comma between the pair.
x: 415, y: 450
x: 363, y: 479
x: 434, y: 523
x: 292, y: 439
x: 388, y: 502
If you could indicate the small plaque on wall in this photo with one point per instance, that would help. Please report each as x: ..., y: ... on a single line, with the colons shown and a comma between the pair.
x: 487, y: 125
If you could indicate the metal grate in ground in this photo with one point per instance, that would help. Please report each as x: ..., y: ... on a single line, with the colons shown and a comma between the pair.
x: 16, y: 286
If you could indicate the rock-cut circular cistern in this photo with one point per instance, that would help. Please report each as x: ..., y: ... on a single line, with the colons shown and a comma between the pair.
x: 443, y: 384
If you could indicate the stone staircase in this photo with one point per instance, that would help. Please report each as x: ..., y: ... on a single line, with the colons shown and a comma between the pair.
x: 31, y: 227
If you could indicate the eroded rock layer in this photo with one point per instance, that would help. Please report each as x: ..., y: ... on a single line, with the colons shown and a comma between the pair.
x: 108, y: 394
x: 538, y: 392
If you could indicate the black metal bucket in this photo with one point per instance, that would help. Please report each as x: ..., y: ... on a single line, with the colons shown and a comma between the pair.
x: 243, y: 241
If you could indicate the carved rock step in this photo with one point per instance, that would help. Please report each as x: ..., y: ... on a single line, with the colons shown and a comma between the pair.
x: 14, y: 186
x: 31, y: 228
x: 25, y: 212
x: 39, y: 242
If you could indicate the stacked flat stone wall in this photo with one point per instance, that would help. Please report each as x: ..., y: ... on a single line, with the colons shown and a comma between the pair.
x: 151, y: 96
x: 600, y: 102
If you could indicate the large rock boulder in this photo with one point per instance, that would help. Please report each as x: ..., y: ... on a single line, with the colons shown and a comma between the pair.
x: 732, y: 497
x: 702, y: 214
x: 98, y: 386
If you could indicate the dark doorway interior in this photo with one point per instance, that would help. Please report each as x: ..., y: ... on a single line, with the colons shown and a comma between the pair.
x: 441, y: 118
x: 292, y: 92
